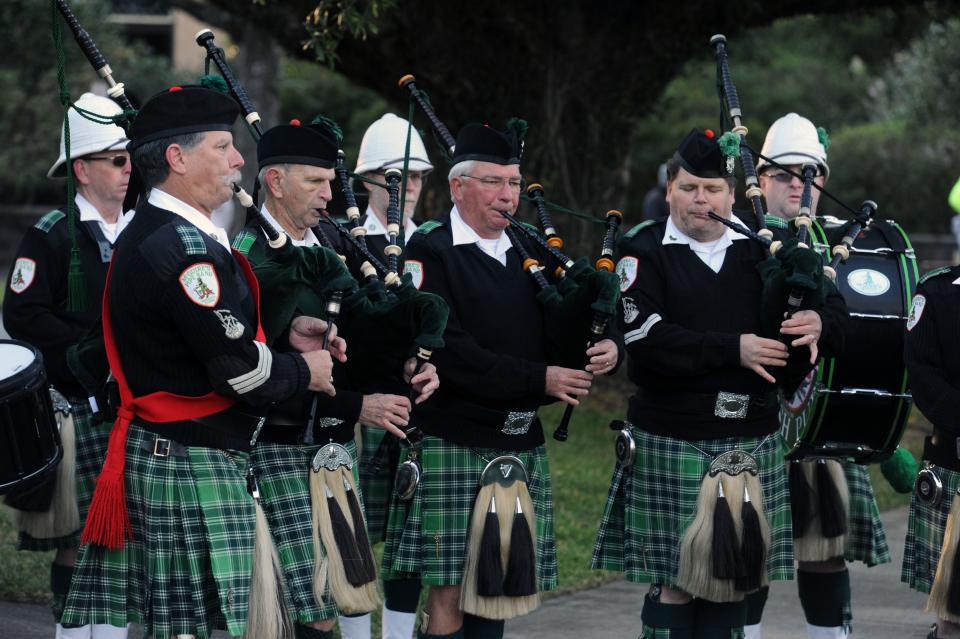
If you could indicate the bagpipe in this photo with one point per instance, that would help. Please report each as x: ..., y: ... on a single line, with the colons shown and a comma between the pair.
x: 580, y: 298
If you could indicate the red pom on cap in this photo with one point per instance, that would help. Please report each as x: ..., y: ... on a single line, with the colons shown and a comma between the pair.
x: 295, y: 122
x: 709, y: 133
x: 172, y: 89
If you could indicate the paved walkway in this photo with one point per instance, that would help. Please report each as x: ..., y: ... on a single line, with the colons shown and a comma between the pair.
x: 883, y: 608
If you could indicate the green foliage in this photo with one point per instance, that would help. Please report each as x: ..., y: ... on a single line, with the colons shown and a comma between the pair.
x: 331, y: 21
x: 907, y: 170
x: 30, y: 114
x: 923, y: 83
x: 307, y: 89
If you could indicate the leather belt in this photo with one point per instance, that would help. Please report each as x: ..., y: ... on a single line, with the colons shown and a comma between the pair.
x: 161, y: 447
x: 725, y: 405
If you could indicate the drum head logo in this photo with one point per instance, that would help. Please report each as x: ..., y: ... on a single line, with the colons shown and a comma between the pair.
x: 869, y: 282
x: 415, y: 269
x: 916, y: 311
x: 201, y: 285
x: 23, y: 272
x: 627, y: 270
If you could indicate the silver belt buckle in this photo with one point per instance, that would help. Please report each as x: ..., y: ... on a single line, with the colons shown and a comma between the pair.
x: 731, y: 406
x: 518, y: 422
x: 161, y: 447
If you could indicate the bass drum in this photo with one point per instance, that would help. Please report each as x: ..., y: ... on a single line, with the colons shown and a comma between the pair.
x: 29, y: 438
x: 856, y: 406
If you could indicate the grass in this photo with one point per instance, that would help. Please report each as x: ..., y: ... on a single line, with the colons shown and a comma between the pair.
x: 581, y: 468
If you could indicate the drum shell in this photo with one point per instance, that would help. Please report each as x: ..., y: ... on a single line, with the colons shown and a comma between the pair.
x: 856, y: 406
x: 29, y: 437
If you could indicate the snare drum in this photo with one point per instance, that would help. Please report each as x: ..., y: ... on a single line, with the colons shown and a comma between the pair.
x: 29, y: 439
x: 856, y: 406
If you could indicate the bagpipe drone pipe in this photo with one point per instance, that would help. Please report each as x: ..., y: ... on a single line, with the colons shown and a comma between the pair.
x: 578, y: 298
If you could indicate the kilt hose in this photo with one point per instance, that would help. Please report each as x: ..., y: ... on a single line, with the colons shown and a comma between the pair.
x: 427, y: 536
x: 187, y: 568
x: 91, y: 436
x: 651, y: 504
x: 283, y: 475
x: 925, y: 529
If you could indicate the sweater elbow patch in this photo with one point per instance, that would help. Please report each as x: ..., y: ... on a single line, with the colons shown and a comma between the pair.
x: 256, y: 377
x: 644, y: 330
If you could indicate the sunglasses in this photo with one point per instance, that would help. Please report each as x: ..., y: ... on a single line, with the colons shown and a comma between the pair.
x: 118, y: 161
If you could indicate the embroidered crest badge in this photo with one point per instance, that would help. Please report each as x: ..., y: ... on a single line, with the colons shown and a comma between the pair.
x: 232, y: 327
x: 24, y: 271
x: 627, y: 270
x: 201, y: 285
x: 415, y: 269
x: 916, y: 311
x: 630, y: 310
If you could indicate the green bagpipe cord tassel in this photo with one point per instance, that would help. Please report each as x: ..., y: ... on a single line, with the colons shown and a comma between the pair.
x: 330, y: 124
x: 823, y: 137
x: 76, y: 284
x: 214, y: 82
x: 729, y: 144
x: 900, y: 470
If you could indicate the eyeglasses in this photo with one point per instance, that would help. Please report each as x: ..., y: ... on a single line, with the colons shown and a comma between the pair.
x: 786, y: 178
x: 496, y: 183
x: 118, y: 161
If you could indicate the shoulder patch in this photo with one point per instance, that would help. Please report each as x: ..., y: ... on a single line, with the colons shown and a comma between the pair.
x: 48, y: 221
x: 243, y: 241
x: 639, y: 227
x: 627, y: 272
x: 192, y: 240
x: 934, y: 273
x: 775, y: 221
x: 24, y: 270
x: 415, y: 269
x: 200, y: 283
x: 916, y: 311
x: 430, y: 225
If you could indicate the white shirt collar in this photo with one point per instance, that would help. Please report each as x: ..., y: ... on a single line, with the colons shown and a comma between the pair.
x: 711, y: 253
x: 375, y: 227
x: 462, y: 233
x: 309, y: 239
x: 89, y: 213
x: 164, y: 200
x: 673, y: 235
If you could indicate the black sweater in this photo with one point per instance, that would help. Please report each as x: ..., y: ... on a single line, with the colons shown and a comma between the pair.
x: 494, y: 360
x: 932, y: 346
x: 35, y: 305
x: 184, y: 319
x: 682, y: 325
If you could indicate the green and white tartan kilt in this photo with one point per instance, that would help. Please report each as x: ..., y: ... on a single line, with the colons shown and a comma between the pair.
x: 283, y: 476
x: 91, y: 449
x: 427, y: 536
x: 925, y: 529
x: 375, y: 483
x: 187, y: 569
x: 866, y: 539
x: 651, y: 504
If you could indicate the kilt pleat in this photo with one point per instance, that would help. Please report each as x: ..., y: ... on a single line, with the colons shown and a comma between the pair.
x: 427, y: 536
x: 651, y: 504
x: 925, y: 529
x: 187, y: 569
x: 376, y: 483
x: 866, y: 538
x: 283, y: 475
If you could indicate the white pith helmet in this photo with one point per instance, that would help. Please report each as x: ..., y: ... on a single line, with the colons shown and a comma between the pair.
x: 793, y: 140
x: 88, y: 137
x: 383, y: 146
